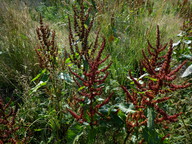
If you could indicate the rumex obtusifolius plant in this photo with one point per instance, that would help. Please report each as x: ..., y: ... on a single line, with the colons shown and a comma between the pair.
x: 91, y: 82
x: 47, y: 51
x: 8, y: 127
x: 7, y: 121
x: 50, y: 59
x: 93, y: 77
x: 79, y: 34
x: 150, y: 94
x: 51, y: 83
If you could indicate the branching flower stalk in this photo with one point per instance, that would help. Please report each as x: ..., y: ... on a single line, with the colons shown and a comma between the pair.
x: 49, y: 59
x: 91, y: 82
x: 82, y: 54
x: 80, y: 49
x: 47, y: 51
x: 8, y: 127
x: 151, y: 92
x: 52, y: 62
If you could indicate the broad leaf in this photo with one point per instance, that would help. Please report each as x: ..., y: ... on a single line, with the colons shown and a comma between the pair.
x: 187, y: 72
x: 176, y: 44
x: 126, y: 108
x: 74, y: 133
x: 121, y: 115
x: 187, y: 56
x: 151, y: 136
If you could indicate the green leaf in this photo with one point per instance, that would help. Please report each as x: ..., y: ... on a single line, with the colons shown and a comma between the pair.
x: 74, y: 133
x: 121, y: 115
x: 85, y: 26
x: 79, y: 89
x: 85, y: 64
x: 187, y: 42
x: 104, y: 110
x: 126, y: 108
x: 177, y: 43
x: 143, y: 92
x: 68, y: 60
x: 189, y: 56
x: 150, y: 116
x: 153, y: 79
x: 37, y: 129
x: 187, y: 72
x: 50, y: 139
x: 40, y: 74
x: 39, y: 85
x: 188, y: 38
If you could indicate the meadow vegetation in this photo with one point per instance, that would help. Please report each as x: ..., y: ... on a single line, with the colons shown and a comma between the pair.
x: 95, y: 71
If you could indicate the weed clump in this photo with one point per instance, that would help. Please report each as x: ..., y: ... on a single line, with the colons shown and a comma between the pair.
x: 150, y: 94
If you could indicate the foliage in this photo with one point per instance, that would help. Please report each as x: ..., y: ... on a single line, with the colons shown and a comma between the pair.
x: 9, y: 127
x: 151, y: 92
x: 51, y: 83
x: 90, y: 87
x: 71, y: 86
x: 82, y: 27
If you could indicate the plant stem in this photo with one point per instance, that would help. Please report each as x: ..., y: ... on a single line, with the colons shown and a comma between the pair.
x: 126, y: 138
x: 186, y: 127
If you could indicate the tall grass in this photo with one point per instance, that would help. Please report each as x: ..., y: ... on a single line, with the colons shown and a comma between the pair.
x: 17, y: 41
x: 128, y: 25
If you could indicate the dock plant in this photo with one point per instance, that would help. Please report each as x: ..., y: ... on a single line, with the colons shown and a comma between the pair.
x: 79, y: 95
x: 47, y: 51
x: 91, y: 85
x: 81, y: 49
x: 8, y: 124
x: 90, y: 74
x: 150, y: 92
